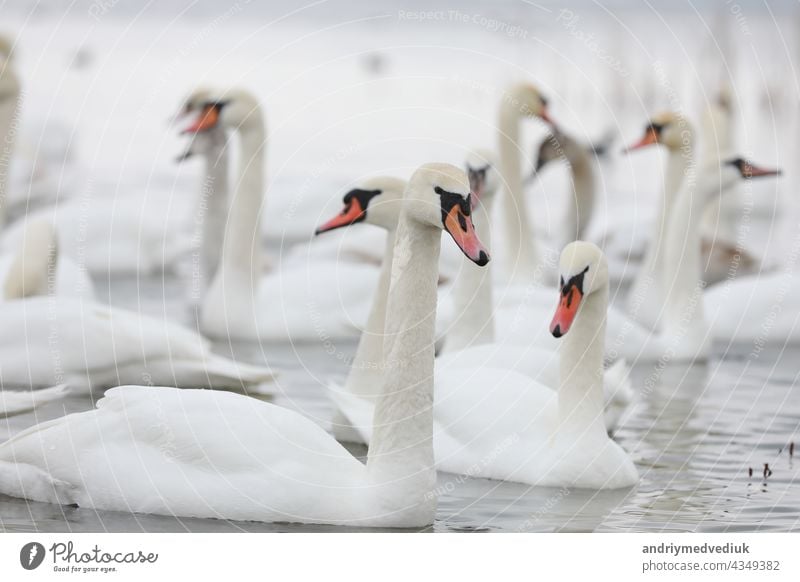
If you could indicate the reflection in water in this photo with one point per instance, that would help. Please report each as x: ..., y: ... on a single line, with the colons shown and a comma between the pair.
x: 694, y: 432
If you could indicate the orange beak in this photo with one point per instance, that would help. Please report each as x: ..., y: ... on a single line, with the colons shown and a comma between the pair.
x: 207, y: 119
x: 753, y: 171
x: 650, y: 138
x: 460, y: 227
x: 545, y: 116
x: 351, y: 214
x: 566, y: 310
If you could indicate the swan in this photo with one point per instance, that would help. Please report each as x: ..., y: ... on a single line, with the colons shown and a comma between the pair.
x: 560, y: 146
x: 723, y: 251
x: 196, y: 453
x: 676, y: 134
x: 684, y: 333
x: 13, y: 402
x: 288, y: 303
x: 497, y: 424
x: 46, y: 341
x: 377, y: 202
x: 520, y: 101
x: 36, y: 269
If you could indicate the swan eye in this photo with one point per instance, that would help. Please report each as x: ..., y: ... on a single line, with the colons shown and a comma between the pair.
x: 561, y: 286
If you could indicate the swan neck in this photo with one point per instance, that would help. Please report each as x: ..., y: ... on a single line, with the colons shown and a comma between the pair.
x: 580, y: 393
x: 683, y: 257
x: 647, y: 292
x: 522, y: 255
x: 582, y: 204
x: 241, y: 248
x: 213, y: 207
x: 401, y: 450
x: 366, y: 372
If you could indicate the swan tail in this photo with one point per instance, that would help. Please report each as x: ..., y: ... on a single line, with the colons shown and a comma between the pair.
x: 19, y: 402
x: 31, y: 482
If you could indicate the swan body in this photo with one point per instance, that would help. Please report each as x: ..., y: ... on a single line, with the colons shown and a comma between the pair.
x: 115, y: 236
x: 151, y: 450
x: 14, y: 402
x: 51, y: 340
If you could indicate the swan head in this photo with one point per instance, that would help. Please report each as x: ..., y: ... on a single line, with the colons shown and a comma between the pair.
x: 236, y: 109
x: 484, y: 180
x: 376, y: 201
x: 745, y: 169
x: 196, y: 111
x: 583, y: 270
x: 527, y: 101
x: 438, y: 195
x: 669, y: 129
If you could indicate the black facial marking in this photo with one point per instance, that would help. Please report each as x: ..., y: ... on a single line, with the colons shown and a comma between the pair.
x: 575, y: 282
x: 364, y: 197
x: 544, y: 100
x: 656, y: 128
x: 450, y: 199
x: 218, y: 105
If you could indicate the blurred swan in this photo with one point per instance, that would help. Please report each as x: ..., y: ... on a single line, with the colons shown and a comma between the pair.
x: 218, y: 455
x: 36, y: 268
x: 560, y: 146
x: 87, y: 346
x: 13, y: 402
x: 519, y: 102
x: 296, y: 303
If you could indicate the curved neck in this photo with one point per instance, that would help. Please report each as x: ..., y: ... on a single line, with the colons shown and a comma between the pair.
x: 683, y: 303
x: 472, y: 295
x: 522, y: 258
x: 401, y: 450
x: 580, y: 392
x: 366, y: 372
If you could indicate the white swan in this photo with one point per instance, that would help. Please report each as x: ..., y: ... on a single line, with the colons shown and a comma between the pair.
x: 724, y: 250
x: 13, y: 402
x: 52, y: 340
x: 218, y: 455
x: 288, y: 303
x: 676, y: 134
x: 497, y: 424
x: 684, y: 333
x: 520, y: 101
x: 377, y: 202
x: 36, y: 269
x: 560, y: 146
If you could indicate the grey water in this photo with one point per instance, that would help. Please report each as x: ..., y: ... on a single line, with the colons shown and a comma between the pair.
x: 695, y: 432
